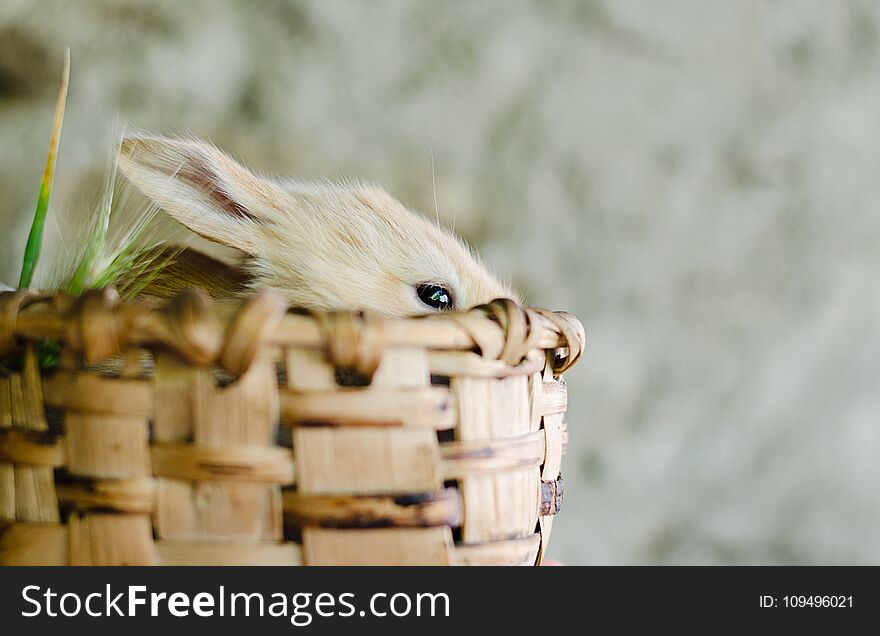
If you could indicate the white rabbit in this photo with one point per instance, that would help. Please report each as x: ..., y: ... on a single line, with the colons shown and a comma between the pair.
x: 322, y: 245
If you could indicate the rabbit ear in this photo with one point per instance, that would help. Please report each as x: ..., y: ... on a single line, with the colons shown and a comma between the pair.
x: 201, y: 187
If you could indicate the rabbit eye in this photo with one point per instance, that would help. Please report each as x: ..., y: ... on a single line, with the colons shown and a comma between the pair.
x: 435, y: 296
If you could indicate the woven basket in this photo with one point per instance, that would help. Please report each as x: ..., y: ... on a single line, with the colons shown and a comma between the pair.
x: 194, y: 433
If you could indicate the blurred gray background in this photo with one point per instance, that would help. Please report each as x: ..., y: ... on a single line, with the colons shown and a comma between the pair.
x: 696, y: 180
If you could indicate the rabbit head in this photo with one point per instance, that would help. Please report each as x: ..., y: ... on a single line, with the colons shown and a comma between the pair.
x: 322, y: 245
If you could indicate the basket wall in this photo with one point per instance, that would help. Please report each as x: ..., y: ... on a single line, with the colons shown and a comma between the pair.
x: 193, y: 434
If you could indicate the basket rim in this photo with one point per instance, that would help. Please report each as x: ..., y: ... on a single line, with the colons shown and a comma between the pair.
x: 99, y: 324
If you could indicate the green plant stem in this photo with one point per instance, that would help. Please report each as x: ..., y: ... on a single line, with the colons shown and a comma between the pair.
x: 35, y: 238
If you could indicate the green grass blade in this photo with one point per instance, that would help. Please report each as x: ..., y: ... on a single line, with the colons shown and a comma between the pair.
x: 35, y: 238
x: 84, y: 274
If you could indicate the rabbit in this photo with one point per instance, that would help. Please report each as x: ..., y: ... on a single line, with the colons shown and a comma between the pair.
x: 321, y: 245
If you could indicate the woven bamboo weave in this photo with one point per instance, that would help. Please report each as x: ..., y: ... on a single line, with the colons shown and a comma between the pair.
x: 199, y: 433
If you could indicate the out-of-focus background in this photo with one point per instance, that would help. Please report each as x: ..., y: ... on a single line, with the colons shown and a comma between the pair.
x: 698, y: 181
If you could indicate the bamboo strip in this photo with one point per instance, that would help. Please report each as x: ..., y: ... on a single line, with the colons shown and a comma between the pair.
x: 41, y: 320
x: 423, y: 408
x: 255, y: 464
x: 32, y: 392
x: 216, y: 553
x: 403, y: 367
x: 101, y: 445
x: 173, y: 386
x: 437, y: 332
x: 243, y: 413
x: 111, y: 539
x: 461, y: 459
x: 468, y: 364
x: 500, y: 505
x: 366, y: 460
x: 536, y: 400
x: 308, y: 370
x: 34, y: 487
x: 545, y: 526
x: 491, y: 409
x: 34, y: 544
x: 5, y: 403
x: 521, y: 551
x: 555, y: 400
x: 92, y: 393
x: 196, y: 511
x: 555, y: 434
x: 16, y: 398
x: 7, y: 470
x: 35, y: 498
x: 26, y: 446
x: 417, y: 510
x: 385, y: 546
x: 120, y: 495
x: 552, y: 447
